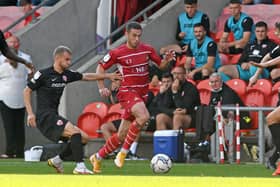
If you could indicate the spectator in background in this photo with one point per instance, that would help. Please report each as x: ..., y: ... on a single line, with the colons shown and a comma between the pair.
x: 5, y: 50
x: 223, y: 93
x: 242, y: 27
x: 253, y: 52
x: 26, y: 6
x: 186, y: 21
x: 269, y: 60
x: 204, y: 50
x: 13, y: 79
x: 162, y: 102
x: 185, y: 97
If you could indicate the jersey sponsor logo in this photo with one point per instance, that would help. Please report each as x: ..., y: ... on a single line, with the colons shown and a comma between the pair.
x: 264, y: 45
x: 58, y: 85
x: 106, y: 58
x: 59, y: 122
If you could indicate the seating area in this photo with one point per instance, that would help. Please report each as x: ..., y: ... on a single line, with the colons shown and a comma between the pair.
x: 262, y: 94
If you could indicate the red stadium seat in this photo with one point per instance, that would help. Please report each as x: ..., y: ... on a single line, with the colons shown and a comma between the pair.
x: 274, y: 94
x: 224, y: 59
x: 90, y: 123
x: 204, y: 84
x: 254, y: 98
x: 233, y: 59
x: 272, y: 36
x: 154, y: 89
x: 112, y: 117
x: 264, y: 86
x: 116, y: 108
x: 276, y: 1
x: 205, y: 96
x: 239, y: 86
x: 99, y: 108
x: 204, y: 91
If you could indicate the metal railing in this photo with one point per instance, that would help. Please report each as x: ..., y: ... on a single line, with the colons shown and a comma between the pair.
x: 261, y: 138
x: 117, y: 31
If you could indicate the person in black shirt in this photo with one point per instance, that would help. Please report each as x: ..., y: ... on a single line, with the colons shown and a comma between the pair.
x: 271, y: 59
x: 220, y: 92
x: 253, y: 52
x: 49, y: 84
x: 273, y: 118
x: 11, y: 55
x: 185, y: 97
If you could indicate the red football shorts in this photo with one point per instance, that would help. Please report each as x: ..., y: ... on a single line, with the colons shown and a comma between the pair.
x: 128, y: 98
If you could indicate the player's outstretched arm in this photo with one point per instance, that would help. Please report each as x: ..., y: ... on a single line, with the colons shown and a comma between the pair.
x: 101, y: 76
x: 31, y: 119
x: 269, y: 63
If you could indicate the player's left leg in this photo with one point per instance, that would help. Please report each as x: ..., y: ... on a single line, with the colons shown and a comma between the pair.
x: 111, y: 145
x: 273, y: 122
x: 77, y: 138
x: 141, y: 114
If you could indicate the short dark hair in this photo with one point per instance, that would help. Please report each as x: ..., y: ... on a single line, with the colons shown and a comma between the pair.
x: 167, y: 75
x: 235, y: 1
x: 190, y: 2
x: 61, y: 49
x: 199, y: 25
x: 133, y: 25
x: 261, y: 24
x: 25, y: 2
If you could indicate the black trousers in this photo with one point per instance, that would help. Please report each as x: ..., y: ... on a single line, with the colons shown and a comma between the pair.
x: 13, y: 121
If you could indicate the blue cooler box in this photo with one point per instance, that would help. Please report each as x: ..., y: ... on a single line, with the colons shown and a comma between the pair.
x: 166, y: 142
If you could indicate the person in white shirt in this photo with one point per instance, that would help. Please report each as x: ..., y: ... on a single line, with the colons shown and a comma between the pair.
x: 13, y: 79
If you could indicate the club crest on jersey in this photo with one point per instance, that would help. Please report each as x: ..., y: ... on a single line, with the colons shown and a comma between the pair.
x: 128, y: 61
x: 106, y: 58
x: 64, y: 77
x: 59, y: 122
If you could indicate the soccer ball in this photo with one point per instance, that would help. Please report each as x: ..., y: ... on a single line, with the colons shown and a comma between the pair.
x: 161, y: 163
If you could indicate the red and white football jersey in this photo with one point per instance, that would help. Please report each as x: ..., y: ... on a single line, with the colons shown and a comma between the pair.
x: 132, y: 64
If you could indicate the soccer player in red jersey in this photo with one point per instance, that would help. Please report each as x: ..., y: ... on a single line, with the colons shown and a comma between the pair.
x: 132, y: 59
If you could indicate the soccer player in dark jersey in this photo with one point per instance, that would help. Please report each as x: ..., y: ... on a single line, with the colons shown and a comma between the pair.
x: 273, y: 118
x: 49, y: 84
x: 132, y: 59
x: 10, y: 54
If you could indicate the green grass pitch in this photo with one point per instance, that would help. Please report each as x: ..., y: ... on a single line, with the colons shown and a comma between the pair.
x: 16, y: 172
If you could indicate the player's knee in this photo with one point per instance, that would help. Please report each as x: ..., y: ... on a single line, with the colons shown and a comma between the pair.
x: 121, y: 137
x: 141, y: 120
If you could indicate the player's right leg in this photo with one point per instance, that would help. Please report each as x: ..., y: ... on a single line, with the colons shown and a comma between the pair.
x: 141, y: 114
x: 57, y: 163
